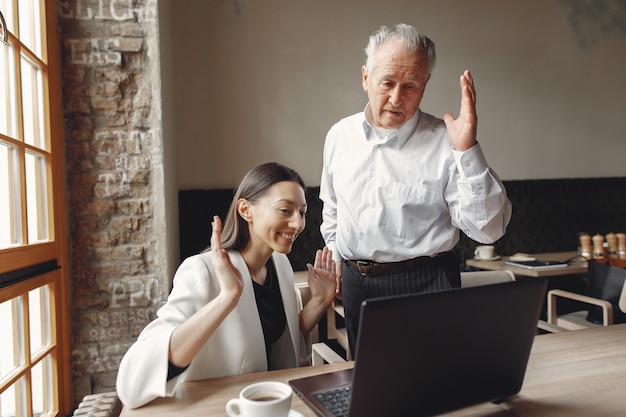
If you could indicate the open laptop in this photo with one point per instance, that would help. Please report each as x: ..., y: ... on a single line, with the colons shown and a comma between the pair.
x: 431, y: 353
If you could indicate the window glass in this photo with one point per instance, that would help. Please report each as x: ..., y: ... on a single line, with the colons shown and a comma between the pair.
x: 7, y: 402
x: 32, y: 103
x: 14, y: 348
x: 41, y: 383
x: 8, y: 118
x: 6, y: 6
x: 10, y: 207
x: 10, y: 337
x: 31, y: 198
x: 5, y: 203
x: 36, y: 198
x: 30, y: 27
x: 35, y: 320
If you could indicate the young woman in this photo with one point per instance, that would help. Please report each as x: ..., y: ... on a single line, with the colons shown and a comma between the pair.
x: 233, y: 308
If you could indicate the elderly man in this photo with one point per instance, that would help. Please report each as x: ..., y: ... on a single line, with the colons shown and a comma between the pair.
x: 398, y: 184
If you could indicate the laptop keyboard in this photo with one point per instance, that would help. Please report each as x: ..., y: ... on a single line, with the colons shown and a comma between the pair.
x: 337, y: 400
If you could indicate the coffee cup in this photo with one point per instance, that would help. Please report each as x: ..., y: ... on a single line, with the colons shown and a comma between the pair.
x: 484, y: 252
x: 262, y: 399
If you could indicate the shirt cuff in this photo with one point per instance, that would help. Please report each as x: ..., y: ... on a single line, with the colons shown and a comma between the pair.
x: 336, y: 255
x: 471, y: 162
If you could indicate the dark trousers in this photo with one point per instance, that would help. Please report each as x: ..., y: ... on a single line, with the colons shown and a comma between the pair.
x: 440, y: 273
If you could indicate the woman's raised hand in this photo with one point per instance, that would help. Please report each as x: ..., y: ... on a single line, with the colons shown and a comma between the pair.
x: 188, y: 338
x: 322, y: 278
x: 228, y: 276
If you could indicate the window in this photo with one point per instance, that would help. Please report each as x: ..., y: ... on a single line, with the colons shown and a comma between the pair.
x: 34, y: 362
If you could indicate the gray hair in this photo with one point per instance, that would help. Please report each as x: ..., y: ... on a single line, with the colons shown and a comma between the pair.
x: 401, y: 32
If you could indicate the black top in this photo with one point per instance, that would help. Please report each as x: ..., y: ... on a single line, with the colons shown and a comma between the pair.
x: 271, y: 310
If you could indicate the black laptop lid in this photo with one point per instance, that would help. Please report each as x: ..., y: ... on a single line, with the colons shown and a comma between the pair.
x: 425, y: 354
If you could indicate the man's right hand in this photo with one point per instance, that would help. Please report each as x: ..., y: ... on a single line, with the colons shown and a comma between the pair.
x: 338, y: 277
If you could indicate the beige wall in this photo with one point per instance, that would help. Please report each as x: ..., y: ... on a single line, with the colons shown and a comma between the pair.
x: 253, y: 81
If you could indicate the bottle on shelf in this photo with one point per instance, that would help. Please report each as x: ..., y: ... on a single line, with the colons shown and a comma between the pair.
x: 611, y: 240
x: 598, y: 247
x: 621, y: 245
x: 585, y: 245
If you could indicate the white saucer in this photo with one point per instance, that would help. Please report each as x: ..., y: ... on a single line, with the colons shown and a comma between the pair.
x: 493, y: 258
x: 294, y: 413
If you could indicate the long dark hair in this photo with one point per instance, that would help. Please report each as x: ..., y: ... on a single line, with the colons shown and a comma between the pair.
x: 254, y: 185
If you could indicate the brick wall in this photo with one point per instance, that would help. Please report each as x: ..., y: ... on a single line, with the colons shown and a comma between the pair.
x: 112, y: 129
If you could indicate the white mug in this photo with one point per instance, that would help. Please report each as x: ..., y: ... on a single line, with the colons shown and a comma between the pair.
x: 484, y: 252
x: 262, y: 399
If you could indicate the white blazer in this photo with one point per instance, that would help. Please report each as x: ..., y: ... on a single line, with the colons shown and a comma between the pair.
x: 236, y: 347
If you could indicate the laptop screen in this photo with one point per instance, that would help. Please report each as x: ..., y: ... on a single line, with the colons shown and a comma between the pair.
x: 430, y: 353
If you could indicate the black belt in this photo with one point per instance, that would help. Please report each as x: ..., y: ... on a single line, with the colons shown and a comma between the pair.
x: 375, y: 268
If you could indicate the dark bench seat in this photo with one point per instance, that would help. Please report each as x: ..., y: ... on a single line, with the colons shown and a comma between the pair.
x: 547, y: 217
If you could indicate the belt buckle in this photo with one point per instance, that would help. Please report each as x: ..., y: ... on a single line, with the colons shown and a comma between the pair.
x: 363, y: 265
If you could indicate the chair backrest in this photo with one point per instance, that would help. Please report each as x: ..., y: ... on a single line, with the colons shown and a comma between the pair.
x: 303, y: 293
x: 606, y: 282
x: 475, y: 278
x: 620, y: 263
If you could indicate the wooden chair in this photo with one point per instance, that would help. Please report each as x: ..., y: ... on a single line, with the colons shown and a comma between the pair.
x: 577, y: 320
x: 333, y: 332
x: 321, y: 352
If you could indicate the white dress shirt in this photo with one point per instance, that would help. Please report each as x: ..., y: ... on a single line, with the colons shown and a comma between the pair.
x: 236, y: 347
x: 407, y: 194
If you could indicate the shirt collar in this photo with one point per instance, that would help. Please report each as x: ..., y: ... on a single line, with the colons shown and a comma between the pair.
x: 404, y: 132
